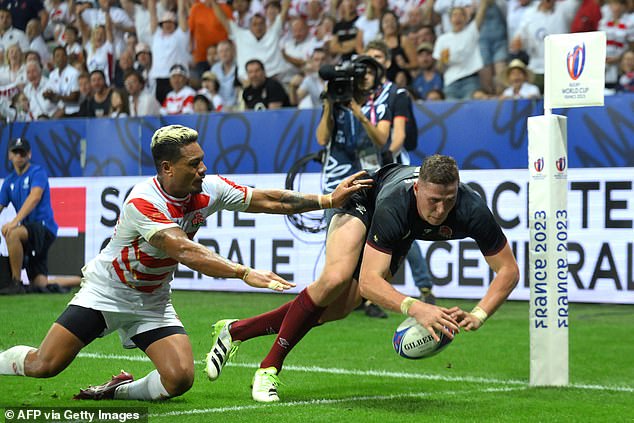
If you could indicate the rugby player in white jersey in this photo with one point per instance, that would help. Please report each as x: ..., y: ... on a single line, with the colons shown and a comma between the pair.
x: 126, y: 287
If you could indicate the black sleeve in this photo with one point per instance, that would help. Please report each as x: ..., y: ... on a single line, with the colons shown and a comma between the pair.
x: 486, y: 232
x: 387, y: 229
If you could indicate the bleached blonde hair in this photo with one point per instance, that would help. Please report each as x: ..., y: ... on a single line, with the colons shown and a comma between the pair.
x: 168, y: 141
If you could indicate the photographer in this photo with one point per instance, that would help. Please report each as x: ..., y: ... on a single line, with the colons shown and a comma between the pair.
x: 356, y: 120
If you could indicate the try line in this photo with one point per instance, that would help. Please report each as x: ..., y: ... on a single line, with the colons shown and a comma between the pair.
x: 376, y: 373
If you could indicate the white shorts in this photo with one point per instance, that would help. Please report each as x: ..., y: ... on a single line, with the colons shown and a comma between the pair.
x: 126, y: 319
x: 129, y: 325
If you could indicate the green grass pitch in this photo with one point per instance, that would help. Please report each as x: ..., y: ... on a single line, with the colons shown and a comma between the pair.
x: 347, y: 371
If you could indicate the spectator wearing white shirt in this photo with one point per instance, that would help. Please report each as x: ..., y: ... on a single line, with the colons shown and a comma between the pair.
x: 10, y: 35
x: 140, y: 14
x: 99, y: 49
x: 142, y: 103
x: 443, y: 8
x: 121, y: 22
x: 143, y: 65
x: 457, y: 53
x: 170, y: 45
x: 74, y: 50
x: 58, y: 17
x: 40, y: 106
x: 368, y: 25
x: 298, y: 48
x: 210, y: 89
x: 37, y: 43
x: 180, y: 100
x: 272, y: 8
x: 243, y: 11
x: 546, y: 18
x: 514, y: 13
x: 305, y: 92
x: 63, y: 83
x: 257, y: 42
x: 14, y: 71
x: 619, y: 31
x: 518, y: 79
x: 18, y: 111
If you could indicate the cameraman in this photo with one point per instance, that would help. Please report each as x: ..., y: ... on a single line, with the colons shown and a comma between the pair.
x: 354, y: 130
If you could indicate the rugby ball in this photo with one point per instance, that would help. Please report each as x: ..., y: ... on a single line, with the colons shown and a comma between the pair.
x: 413, y: 341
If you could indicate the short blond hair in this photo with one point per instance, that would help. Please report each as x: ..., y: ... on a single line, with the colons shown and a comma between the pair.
x: 168, y: 141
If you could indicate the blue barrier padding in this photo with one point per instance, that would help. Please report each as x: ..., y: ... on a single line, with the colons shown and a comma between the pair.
x: 479, y: 134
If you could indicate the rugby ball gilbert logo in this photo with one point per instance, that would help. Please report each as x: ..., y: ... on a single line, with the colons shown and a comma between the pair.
x: 575, y: 61
x: 561, y: 164
x: 198, y: 219
x: 539, y: 164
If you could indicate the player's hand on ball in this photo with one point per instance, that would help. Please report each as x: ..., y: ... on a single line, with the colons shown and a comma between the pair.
x: 267, y: 279
x: 349, y: 186
x: 434, y: 318
x: 467, y: 320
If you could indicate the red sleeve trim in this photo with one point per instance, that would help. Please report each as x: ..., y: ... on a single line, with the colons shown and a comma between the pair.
x: 150, y: 211
x: 494, y: 252
x: 236, y: 186
x: 376, y: 247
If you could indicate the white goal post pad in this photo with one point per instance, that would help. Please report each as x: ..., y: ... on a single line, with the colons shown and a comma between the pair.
x: 548, y: 222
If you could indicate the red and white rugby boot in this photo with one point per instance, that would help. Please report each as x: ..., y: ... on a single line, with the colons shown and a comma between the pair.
x: 105, y: 391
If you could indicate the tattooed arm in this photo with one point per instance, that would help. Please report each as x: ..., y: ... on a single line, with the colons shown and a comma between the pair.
x: 291, y: 202
x: 175, y: 243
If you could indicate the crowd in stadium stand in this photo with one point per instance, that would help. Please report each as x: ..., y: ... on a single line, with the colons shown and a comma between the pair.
x: 99, y: 58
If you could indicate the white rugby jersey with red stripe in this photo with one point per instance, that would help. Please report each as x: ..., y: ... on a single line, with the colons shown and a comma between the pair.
x: 129, y: 274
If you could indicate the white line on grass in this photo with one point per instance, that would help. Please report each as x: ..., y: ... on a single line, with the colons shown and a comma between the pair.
x: 377, y: 373
x: 325, y: 401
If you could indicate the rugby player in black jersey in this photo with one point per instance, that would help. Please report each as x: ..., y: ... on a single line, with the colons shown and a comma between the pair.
x: 367, y: 240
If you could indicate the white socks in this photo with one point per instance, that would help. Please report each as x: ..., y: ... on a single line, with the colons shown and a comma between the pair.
x: 148, y: 388
x: 12, y: 360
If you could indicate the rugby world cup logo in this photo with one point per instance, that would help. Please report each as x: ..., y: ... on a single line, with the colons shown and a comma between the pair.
x: 576, y: 60
x: 539, y: 164
x: 561, y: 164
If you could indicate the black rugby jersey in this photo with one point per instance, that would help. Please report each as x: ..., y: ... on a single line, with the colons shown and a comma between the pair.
x: 393, y: 221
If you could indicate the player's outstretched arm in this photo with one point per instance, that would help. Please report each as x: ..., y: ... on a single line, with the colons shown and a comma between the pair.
x: 374, y: 286
x: 291, y: 202
x: 507, y: 275
x: 175, y: 243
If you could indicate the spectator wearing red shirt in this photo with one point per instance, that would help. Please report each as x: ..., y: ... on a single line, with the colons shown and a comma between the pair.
x: 181, y: 99
x: 588, y: 17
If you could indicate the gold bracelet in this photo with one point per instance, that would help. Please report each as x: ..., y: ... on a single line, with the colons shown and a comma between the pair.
x: 406, y: 304
x: 329, y: 199
x: 321, y: 204
x: 480, y: 314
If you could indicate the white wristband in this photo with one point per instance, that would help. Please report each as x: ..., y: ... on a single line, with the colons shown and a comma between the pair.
x: 480, y: 314
x: 406, y: 304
